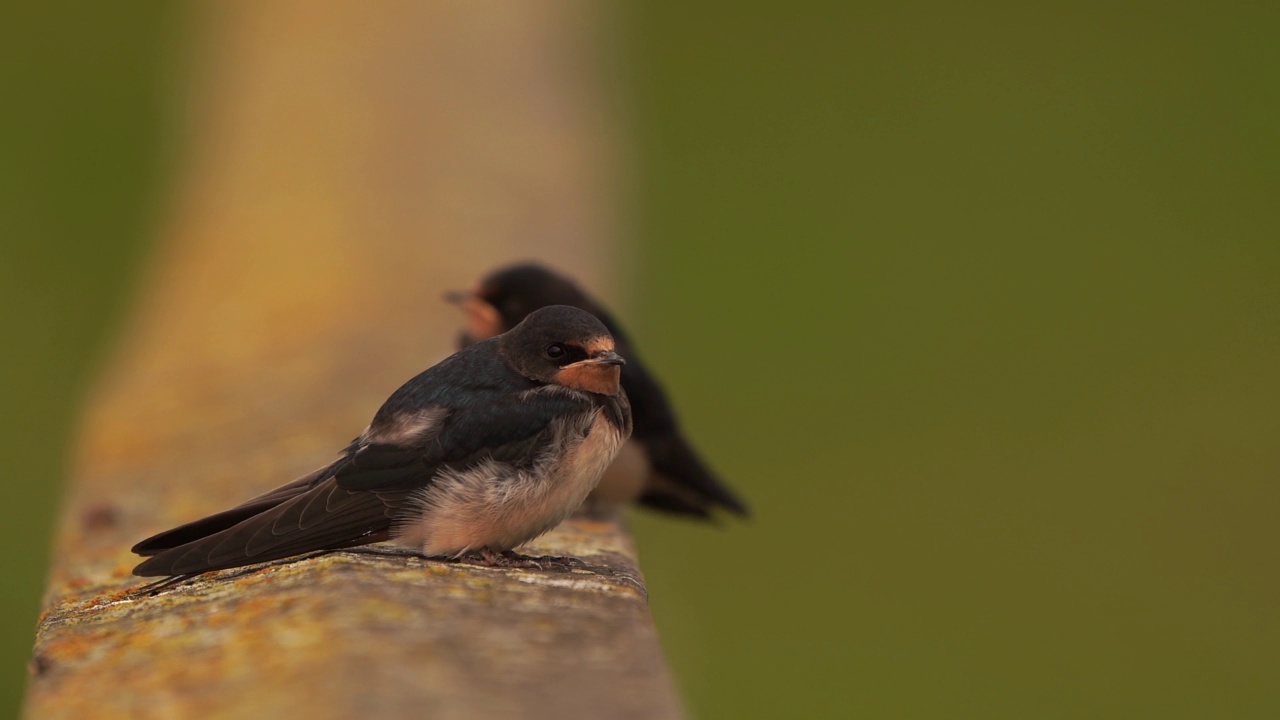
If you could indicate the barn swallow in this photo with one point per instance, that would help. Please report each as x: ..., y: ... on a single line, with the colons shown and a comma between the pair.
x: 658, y: 468
x: 488, y: 449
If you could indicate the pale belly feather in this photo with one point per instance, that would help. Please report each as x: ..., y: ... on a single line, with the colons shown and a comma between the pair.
x: 497, y: 507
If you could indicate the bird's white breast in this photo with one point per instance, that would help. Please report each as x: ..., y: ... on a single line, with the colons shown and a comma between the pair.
x: 497, y: 506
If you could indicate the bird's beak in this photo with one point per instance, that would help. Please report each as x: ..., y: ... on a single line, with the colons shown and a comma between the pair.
x: 457, y: 297
x: 607, y: 357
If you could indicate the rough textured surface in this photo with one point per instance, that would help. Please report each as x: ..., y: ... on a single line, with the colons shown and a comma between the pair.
x: 370, y: 632
x: 337, y: 181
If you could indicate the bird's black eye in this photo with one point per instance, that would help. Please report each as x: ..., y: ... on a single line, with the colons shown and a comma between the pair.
x: 555, y: 351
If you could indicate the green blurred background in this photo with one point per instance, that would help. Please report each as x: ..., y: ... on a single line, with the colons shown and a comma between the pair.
x: 81, y: 93
x: 979, y: 305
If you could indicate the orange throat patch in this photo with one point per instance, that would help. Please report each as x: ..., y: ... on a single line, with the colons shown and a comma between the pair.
x: 592, y: 377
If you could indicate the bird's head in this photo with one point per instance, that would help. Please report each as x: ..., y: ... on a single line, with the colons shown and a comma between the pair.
x: 506, y: 296
x: 562, y: 345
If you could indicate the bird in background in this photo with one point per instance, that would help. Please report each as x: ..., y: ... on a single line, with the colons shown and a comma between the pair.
x: 658, y: 468
x: 490, y: 448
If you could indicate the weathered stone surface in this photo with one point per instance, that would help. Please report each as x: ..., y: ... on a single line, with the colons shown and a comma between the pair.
x: 345, y: 166
x: 368, y: 632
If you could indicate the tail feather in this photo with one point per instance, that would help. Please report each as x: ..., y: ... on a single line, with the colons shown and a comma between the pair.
x: 695, y: 489
x: 204, y: 527
x: 669, y: 499
x: 324, y: 517
x: 197, y: 529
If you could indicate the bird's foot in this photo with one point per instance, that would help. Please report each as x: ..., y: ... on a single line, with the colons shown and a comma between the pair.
x: 513, y: 559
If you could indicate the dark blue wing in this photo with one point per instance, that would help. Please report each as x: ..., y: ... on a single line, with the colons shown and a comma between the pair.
x: 485, y: 425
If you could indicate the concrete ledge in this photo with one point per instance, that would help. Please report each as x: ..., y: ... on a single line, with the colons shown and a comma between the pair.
x: 370, y: 632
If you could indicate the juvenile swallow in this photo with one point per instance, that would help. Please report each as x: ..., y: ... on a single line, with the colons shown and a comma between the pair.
x: 479, y: 454
x: 658, y: 468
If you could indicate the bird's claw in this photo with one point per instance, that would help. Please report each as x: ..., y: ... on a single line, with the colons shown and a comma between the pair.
x: 513, y: 559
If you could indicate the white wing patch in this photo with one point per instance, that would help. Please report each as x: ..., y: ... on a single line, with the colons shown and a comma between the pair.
x: 406, y: 428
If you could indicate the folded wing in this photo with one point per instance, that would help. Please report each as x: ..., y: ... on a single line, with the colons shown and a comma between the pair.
x: 357, y: 499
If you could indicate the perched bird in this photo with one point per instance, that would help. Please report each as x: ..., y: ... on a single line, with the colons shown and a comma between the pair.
x: 658, y: 468
x: 489, y: 449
